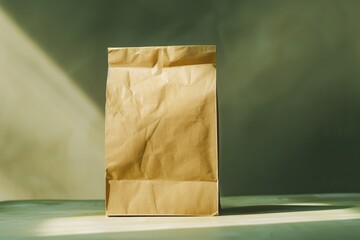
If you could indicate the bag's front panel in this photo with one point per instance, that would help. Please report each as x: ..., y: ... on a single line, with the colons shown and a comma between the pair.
x: 161, y: 132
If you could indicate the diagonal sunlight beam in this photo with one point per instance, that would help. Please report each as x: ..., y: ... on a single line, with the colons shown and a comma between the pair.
x: 51, y: 134
x: 102, y: 224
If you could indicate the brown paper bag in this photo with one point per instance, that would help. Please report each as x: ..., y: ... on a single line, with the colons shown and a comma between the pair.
x: 161, y: 131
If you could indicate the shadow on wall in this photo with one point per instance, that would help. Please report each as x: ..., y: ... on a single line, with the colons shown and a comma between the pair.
x: 288, y: 82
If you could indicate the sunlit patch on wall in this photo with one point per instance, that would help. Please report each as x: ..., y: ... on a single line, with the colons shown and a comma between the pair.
x: 51, y: 134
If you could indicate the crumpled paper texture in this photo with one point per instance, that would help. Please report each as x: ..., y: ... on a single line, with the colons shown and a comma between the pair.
x: 161, y: 149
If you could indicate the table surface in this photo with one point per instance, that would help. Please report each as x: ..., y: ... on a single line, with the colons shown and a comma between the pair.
x: 316, y: 216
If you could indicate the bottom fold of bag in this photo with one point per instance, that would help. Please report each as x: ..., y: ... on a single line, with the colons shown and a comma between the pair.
x: 162, y: 197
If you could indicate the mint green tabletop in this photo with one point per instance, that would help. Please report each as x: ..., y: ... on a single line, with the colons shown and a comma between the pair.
x: 317, y: 216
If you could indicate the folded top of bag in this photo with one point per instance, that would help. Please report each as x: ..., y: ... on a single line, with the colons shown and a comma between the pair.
x: 169, y: 56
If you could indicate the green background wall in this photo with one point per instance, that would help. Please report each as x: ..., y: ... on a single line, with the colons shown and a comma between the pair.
x: 288, y: 85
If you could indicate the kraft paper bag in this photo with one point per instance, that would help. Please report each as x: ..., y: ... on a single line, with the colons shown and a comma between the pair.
x: 161, y: 143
